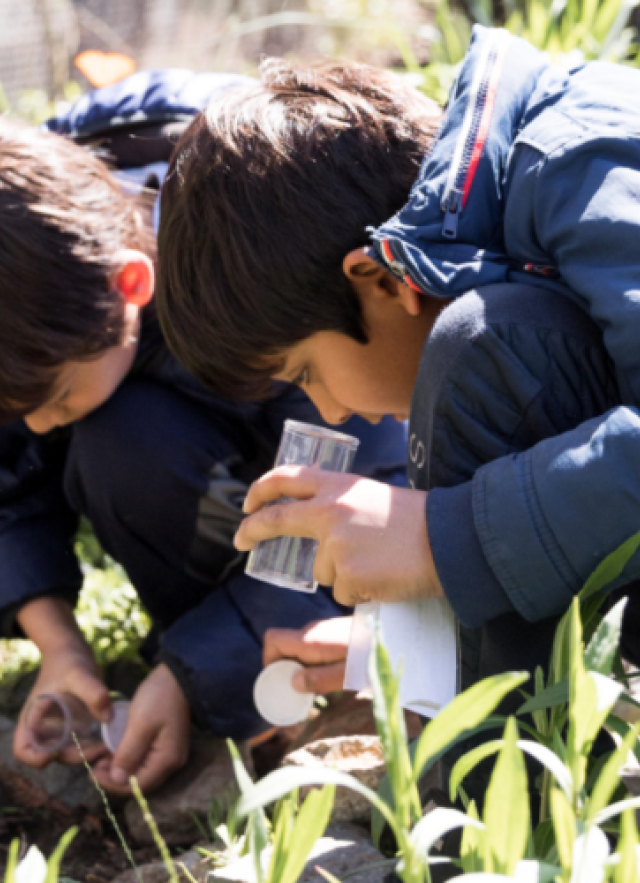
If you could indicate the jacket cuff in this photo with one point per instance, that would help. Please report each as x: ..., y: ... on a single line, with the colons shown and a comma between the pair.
x: 469, y: 583
x: 518, y: 540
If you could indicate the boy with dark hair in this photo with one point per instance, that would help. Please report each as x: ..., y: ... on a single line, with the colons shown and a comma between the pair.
x: 484, y: 281
x: 113, y: 428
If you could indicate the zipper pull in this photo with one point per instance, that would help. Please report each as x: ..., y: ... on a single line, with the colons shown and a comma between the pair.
x: 452, y: 208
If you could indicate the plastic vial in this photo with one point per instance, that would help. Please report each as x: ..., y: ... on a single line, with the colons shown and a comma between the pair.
x: 288, y: 561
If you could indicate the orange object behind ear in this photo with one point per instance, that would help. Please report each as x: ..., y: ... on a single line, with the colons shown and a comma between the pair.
x: 104, y: 69
x: 135, y: 284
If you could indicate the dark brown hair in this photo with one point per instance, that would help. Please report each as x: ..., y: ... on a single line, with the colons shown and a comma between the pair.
x: 63, y: 218
x: 269, y: 189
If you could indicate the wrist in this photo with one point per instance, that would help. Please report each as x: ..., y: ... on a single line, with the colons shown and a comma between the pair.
x: 51, y: 625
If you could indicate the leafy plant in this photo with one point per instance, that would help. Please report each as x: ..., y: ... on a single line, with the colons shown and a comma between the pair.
x: 566, y: 840
x: 34, y: 868
x: 569, y: 31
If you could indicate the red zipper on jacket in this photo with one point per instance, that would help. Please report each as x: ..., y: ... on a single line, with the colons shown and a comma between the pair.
x: 474, y: 131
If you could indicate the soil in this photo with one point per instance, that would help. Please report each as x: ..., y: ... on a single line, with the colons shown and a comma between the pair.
x: 94, y: 856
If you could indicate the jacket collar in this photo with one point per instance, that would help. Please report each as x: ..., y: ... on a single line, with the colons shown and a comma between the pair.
x: 448, y: 237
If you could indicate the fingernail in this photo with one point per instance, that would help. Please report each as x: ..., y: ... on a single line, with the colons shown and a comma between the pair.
x: 299, y: 682
x: 119, y: 776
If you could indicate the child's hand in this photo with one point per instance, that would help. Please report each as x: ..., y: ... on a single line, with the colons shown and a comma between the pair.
x: 373, y: 541
x: 65, y: 671
x: 156, y: 742
x: 321, y: 646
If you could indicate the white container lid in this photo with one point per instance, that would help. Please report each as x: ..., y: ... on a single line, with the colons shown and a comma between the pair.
x: 113, y: 732
x: 275, y: 697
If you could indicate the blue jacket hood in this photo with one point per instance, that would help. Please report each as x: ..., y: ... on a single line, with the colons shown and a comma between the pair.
x: 448, y: 237
x: 156, y: 96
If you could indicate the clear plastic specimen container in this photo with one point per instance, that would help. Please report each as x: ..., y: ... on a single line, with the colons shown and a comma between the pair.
x: 288, y: 561
x: 52, y: 720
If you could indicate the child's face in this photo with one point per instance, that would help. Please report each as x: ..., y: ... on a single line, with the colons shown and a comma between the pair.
x: 81, y: 387
x: 343, y: 377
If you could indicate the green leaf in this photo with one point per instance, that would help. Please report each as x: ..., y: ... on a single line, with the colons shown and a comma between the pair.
x: 611, y: 567
x: 544, y: 838
x: 626, y: 871
x: 436, y: 824
x: 507, y: 832
x: 469, y: 761
x: 622, y: 728
x: 615, y: 809
x: 601, y: 651
x: 564, y: 824
x: 556, y: 694
x: 559, y: 770
x: 465, y: 712
x: 389, y: 716
x: 55, y: 859
x: 12, y: 861
x: 309, y: 827
x: 609, y: 778
x: 257, y: 833
x: 471, y: 850
x: 283, y: 781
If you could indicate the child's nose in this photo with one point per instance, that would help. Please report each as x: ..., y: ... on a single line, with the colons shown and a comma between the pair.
x: 330, y: 411
x: 40, y: 423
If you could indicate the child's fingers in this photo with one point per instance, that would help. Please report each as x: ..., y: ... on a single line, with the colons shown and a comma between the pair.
x: 313, y: 645
x: 25, y: 752
x: 300, y: 482
x: 93, y: 692
x: 284, y: 520
x: 132, y: 751
x: 320, y: 678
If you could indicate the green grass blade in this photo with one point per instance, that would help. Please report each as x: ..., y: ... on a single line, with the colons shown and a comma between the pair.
x: 465, y: 712
x: 556, y: 694
x: 609, y: 778
x: 603, y: 646
x: 507, y: 832
x: 626, y: 871
x: 55, y: 859
x: 469, y: 761
x: 309, y: 827
x: 611, y: 567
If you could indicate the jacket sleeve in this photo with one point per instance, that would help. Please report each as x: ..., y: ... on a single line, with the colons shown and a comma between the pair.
x: 547, y: 517
x: 586, y: 218
x: 37, y: 527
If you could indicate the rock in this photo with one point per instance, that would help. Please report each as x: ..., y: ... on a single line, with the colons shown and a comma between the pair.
x: 360, y: 756
x: 342, y: 850
x: 207, y: 776
x: 67, y: 786
x: 198, y: 866
x: 346, y: 715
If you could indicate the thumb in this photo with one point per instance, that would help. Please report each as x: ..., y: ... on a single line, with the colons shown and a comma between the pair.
x: 132, y: 751
x: 94, y: 693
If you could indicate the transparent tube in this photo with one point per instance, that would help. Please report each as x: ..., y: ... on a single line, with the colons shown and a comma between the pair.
x: 288, y: 561
x: 53, y: 719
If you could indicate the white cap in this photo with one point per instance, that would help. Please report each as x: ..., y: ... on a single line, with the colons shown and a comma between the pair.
x: 275, y: 697
x: 113, y: 732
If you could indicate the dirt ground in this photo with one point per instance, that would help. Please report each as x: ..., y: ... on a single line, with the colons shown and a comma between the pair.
x: 94, y: 856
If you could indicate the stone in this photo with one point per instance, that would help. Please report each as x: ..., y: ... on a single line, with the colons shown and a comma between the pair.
x: 360, y: 756
x: 67, y: 787
x: 207, y: 776
x: 348, y: 715
x: 343, y: 849
x: 198, y: 866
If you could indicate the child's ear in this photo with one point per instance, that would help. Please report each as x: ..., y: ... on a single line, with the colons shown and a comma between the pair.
x: 135, y: 278
x: 370, y: 280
